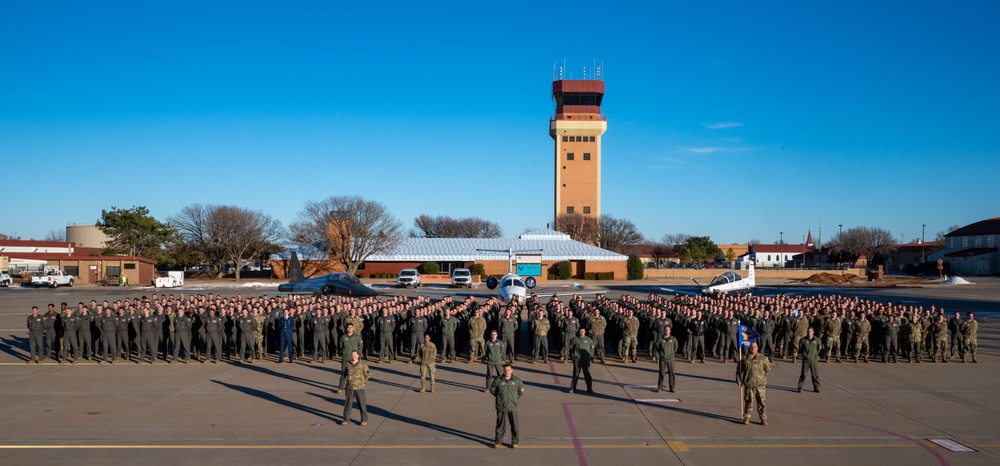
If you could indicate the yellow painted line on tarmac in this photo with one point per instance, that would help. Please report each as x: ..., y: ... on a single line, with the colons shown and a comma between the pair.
x: 677, y: 447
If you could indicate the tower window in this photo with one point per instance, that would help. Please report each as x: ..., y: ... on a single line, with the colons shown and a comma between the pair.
x: 586, y: 209
x: 569, y: 156
x: 592, y: 139
x: 569, y: 209
x: 565, y: 138
x: 586, y: 156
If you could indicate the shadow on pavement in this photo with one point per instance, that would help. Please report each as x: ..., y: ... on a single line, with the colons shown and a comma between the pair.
x: 374, y: 410
x: 16, y: 346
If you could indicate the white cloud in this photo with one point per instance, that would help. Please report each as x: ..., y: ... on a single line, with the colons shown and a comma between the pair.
x: 703, y: 150
x: 709, y: 150
x: 722, y: 125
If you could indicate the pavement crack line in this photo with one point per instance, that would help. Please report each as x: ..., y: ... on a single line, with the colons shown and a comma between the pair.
x: 644, y: 415
x: 371, y: 437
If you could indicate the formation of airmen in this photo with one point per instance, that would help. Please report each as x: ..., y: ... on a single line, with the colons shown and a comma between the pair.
x: 317, y: 329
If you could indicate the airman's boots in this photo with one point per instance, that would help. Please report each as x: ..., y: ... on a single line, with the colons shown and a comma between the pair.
x: 421, y: 386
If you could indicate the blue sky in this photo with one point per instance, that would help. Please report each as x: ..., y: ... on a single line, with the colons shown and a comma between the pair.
x: 735, y: 120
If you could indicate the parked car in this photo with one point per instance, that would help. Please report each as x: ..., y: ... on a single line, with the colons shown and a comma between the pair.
x: 408, y: 277
x: 461, y: 277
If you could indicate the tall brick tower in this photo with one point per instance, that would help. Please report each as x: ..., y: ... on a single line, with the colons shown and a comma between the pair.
x: 577, y: 127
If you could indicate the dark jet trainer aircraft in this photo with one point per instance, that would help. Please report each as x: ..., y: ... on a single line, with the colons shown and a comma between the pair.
x: 339, y: 283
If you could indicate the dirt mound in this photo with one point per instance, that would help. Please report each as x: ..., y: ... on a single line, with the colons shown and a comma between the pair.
x: 831, y: 279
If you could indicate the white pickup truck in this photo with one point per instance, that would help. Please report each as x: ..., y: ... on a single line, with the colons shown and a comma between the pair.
x: 52, y: 279
x: 5, y: 279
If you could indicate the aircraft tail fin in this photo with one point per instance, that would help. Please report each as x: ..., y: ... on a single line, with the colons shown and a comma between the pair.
x: 295, y: 270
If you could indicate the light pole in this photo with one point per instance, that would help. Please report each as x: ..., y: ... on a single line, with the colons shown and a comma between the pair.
x: 781, y: 240
x: 803, y: 251
x: 840, y: 243
x: 923, y: 258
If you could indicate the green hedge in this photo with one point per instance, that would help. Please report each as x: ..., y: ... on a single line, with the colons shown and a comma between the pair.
x: 431, y: 268
x: 562, y: 270
x: 635, y: 268
x: 478, y: 269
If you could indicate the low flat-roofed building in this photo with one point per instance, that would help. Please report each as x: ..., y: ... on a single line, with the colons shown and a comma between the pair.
x: 451, y: 253
x: 87, y: 265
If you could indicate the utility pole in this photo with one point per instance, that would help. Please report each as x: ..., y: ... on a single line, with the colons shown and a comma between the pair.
x: 923, y: 257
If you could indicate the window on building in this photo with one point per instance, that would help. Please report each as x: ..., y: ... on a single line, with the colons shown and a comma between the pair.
x: 569, y: 156
x: 965, y: 241
x: 592, y: 139
x: 768, y: 259
x: 979, y: 241
x: 565, y: 138
x: 586, y: 156
x: 989, y: 241
x: 113, y: 270
x: 73, y: 270
x: 129, y: 266
x: 586, y: 209
x: 569, y: 209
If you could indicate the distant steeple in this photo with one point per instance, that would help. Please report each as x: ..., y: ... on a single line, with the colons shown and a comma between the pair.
x: 809, y: 239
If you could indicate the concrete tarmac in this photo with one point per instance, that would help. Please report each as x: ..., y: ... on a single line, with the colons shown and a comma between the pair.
x: 268, y: 413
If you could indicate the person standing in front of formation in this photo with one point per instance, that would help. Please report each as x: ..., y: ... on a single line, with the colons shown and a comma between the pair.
x: 665, y: 349
x: 809, y: 349
x: 349, y: 342
x: 508, y: 390
x: 428, y: 354
x: 581, y: 350
x: 356, y: 374
x: 751, y: 376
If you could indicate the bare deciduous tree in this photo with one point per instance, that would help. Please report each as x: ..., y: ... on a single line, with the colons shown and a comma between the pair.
x: 674, y: 240
x: 426, y: 226
x: 227, y: 234
x: 56, y: 235
x: 940, y: 235
x: 579, y: 227
x: 873, y: 242
x: 354, y: 228
x: 618, y: 234
x: 659, y: 251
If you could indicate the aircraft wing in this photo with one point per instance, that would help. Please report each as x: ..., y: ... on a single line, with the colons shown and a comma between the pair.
x: 569, y: 292
x: 671, y: 290
x: 494, y: 294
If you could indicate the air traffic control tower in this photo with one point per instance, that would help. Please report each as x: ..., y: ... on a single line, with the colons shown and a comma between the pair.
x: 577, y: 127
